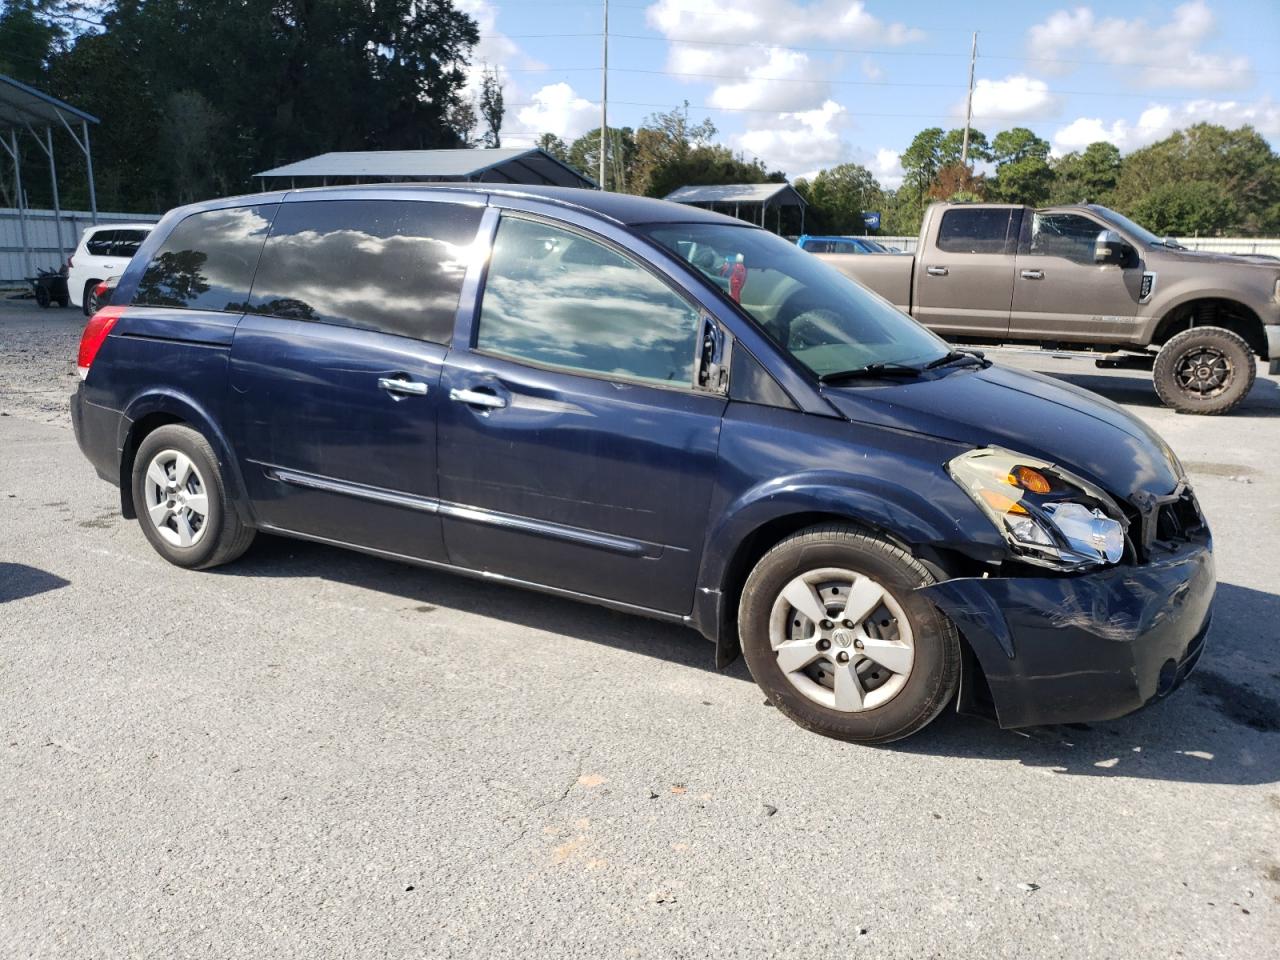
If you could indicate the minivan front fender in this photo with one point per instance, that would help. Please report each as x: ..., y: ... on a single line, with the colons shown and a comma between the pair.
x: 167, y: 405
x: 762, y: 515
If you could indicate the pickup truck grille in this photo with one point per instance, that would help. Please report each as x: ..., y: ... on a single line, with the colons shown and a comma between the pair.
x: 1165, y: 523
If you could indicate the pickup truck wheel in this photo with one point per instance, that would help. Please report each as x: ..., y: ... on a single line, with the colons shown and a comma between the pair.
x: 836, y: 636
x: 1206, y: 370
x: 182, y: 503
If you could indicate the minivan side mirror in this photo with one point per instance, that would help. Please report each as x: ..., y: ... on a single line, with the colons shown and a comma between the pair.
x: 1110, y: 247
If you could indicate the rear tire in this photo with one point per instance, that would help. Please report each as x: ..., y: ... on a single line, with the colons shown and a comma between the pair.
x: 874, y: 661
x: 1204, y: 370
x: 42, y: 296
x: 181, y: 500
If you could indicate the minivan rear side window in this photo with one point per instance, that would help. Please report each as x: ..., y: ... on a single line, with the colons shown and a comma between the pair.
x: 977, y: 230
x: 393, y: 266
x: 207, y: 261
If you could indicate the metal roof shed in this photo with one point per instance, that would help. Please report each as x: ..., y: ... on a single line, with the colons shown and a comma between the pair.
x: 739, y: 195
x: 501, y: 165
x: 26, y: 108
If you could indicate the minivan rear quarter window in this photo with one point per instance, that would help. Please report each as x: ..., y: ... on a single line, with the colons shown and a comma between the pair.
x: 385, y: 265
x: 207, y: 261
x: 980, y: 230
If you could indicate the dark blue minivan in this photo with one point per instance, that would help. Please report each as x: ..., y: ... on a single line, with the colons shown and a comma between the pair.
x: 660, y: 409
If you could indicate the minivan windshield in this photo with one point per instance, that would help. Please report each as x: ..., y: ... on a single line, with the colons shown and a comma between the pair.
x: 822, y: 318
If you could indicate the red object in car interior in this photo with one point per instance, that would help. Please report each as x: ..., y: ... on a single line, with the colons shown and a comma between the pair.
x: 95, y: 332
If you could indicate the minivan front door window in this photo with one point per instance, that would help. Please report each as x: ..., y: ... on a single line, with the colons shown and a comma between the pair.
x: 560, y: 299
x: 817, y: 314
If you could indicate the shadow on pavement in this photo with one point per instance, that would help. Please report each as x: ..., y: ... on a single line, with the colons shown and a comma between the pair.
x: 1223, y: 726
x: 17, y: 580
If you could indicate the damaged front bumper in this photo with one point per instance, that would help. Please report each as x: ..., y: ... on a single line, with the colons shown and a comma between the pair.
x: 1089, y: 647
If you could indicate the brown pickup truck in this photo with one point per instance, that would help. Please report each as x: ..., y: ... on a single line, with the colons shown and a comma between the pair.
x: 1087, y: 277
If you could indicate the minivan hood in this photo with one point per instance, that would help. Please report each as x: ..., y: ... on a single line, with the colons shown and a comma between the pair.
x: 1027, y: 413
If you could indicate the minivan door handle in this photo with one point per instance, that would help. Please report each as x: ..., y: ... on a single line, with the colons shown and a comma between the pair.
x: 400, y: 389
x: 477, y: 398
x: 936, y: 271
x: 1032, y: 274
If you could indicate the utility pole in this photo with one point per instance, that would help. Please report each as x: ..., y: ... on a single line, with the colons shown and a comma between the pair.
x: 968, y: 109
x: 604, y: 97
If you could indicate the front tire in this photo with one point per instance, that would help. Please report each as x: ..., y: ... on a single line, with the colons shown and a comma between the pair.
x: 181, y: 500
x: 836, y: 636
x: 1205, y: 370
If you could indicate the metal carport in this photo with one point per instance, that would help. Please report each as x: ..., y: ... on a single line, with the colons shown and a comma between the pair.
x: 739, y: 195
x: 496, y: 165
x: 26, y: 108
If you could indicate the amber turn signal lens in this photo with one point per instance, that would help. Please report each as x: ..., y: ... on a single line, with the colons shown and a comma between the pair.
x: 1000, y: 503
x: 1029, y: 479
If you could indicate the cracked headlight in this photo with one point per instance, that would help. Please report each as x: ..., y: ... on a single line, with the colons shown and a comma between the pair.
x: 1048, y: 516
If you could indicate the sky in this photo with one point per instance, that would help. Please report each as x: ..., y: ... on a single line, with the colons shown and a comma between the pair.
x: 807, y: 84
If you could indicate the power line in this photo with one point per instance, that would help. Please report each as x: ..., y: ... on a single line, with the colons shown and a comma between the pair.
x: 910, y: 53
x: 738, y: 78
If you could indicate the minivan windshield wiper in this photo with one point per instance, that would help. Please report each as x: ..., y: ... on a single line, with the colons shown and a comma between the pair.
x: 955, y: 356
x: 871, y: 370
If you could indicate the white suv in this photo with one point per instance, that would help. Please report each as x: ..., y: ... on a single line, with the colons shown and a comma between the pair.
x: 103, y: 253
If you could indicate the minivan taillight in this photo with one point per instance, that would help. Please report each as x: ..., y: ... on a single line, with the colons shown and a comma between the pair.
x: 95, y: 332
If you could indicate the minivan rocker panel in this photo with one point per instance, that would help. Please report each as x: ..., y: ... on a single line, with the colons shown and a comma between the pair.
x: 662, y: 410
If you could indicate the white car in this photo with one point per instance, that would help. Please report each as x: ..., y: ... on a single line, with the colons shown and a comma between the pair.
x: 104, y: 251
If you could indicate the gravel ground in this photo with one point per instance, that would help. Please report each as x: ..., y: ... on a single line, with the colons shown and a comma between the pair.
x: 313, y: 754
x: 38, y: 359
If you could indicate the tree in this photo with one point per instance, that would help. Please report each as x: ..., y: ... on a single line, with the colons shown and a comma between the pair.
x: 27, y: 40
x: 584, y: 155
x: 922, y: 159
x: 706, y: 164
x: 1023, y: 174
x: 1187, y: 208
x: 554, y: 146
x: 1240, y: 161
x: 951, y: 147
x: 838, y: 196
x: 491, y: 107
x: 958, y: 183
x: 1087, y: 177
x: 666, y: 139
x: 284, y: 79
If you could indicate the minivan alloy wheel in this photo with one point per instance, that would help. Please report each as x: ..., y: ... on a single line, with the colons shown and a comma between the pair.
x: 841, y: 639
x: 177, y: 498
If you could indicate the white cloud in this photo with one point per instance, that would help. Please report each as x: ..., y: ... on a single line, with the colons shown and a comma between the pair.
x: 778, y: 81
x: 744, y: 72
x: 799, y: 143
x: 1167, y: 55
x: 887, y: 166
x: 557, y: 109
x: 554, y: 108
x: 1160, y: 120
x: 1016, y: 97
x: 782, y: 21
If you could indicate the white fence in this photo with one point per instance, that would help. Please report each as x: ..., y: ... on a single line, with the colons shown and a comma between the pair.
x: 1214, y: 244
x: 42, y: 235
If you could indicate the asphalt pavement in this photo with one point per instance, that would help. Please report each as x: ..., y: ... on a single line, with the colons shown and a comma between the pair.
x: 311, y: 753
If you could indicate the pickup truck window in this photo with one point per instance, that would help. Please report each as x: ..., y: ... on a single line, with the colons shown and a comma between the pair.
x: 817, y: 314
x: 1066, y: 235
x: 979, y: 230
